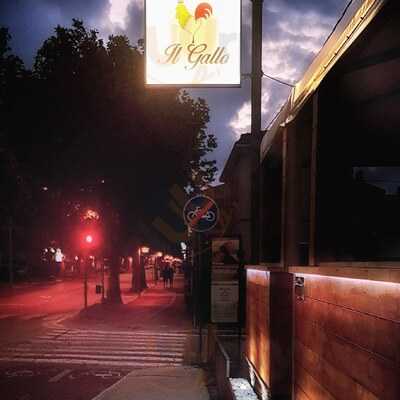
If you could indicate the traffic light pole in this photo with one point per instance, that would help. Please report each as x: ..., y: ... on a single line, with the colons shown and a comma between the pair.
x: 85, y: 282
x: 102, y: 281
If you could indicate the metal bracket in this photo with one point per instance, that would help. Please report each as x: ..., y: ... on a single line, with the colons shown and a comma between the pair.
x: 299, y: 289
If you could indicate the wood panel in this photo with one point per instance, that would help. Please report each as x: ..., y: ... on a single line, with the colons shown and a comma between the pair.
x: 347, y: 337
x: 388, y: 272
x: 281, y: 334
x: 257, y: 323
x: 310, y: 386
x: 270, y: 329
x: 299, y: 393
x: 376, y: 374
x: 369, y: 332
x: 338, y: 383
x: 376, y: 298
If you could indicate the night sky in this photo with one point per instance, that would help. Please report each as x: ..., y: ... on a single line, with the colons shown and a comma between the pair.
x: 294, y: 31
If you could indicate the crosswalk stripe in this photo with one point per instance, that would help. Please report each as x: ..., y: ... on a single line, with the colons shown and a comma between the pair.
x: 128, y: 333
x: 106, y: 341
x: 22, y: 348
x: 84, y: 347
x: 97, y: 335
x: 32, y: 316
x: 6, y: 316
x: 105, y: 347
x: 110, y: 338
x: 87, y: 362
x: 138, y: 337
x: 93, y: 357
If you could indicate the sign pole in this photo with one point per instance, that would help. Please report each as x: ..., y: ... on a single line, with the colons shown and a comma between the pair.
x: 10, y: 252
x: 199, y: 313
x: 200, y: 215
x: 256, y: 74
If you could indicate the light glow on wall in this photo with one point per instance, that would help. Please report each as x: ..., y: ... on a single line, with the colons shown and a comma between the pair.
x: 193, y: 43
x: 364, y: 282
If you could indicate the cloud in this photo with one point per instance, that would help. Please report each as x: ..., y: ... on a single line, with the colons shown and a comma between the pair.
x: 241, y: 122
x: 135, y: 21
x: 292, y: 37
x: 294, y: 30
x: 325, y: 7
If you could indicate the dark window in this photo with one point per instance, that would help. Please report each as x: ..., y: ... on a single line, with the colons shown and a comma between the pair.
x: 271, y: 203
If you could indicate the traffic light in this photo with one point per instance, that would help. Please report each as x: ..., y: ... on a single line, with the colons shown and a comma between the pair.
x: 89, y: 239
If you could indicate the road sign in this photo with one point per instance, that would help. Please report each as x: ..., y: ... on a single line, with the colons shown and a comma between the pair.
x: 201, y: 213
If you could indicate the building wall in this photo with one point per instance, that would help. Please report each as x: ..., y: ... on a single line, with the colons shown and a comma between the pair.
x: 347, y: 340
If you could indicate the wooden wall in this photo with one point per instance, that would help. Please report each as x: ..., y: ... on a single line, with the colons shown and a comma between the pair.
x: 347, y: 340
x: 270, y: 331
x: 257, y: 323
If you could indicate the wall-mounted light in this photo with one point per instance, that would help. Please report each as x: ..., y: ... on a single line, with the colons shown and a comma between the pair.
x: 299, y: 288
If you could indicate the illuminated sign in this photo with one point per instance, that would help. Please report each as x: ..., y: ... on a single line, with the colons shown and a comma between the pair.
x: 193, y: 43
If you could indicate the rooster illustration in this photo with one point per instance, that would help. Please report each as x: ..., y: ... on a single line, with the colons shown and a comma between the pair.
x: 198, y: 28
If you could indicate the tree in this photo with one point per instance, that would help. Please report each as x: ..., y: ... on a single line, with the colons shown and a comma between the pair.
x: 95, y: 129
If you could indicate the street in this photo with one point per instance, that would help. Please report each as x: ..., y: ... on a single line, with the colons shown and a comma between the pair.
x: 48, y: 349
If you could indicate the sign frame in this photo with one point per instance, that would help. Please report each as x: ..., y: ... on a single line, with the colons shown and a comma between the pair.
x: 218, y: 269
x: 187, y: 222
x: 194, y: 86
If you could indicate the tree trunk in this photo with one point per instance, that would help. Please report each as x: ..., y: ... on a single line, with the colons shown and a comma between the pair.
x: 143, y: 274
x: 136, y: 280
x: 114, y: 289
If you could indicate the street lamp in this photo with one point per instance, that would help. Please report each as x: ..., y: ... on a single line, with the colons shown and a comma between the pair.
x: 144, y: 250
x: 158, y: 256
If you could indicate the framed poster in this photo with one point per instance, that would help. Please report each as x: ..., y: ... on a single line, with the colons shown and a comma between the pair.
x: 225, y: 251
x: 193, y: 43
x: 224, y: 301
x: 225, y: 279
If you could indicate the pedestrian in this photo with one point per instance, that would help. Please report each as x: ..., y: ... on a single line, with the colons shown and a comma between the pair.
x: 164, y: 274
x: 171, y: 276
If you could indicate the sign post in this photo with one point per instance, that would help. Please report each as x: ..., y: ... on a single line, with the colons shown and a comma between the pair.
x: 10, y: 252
x: 200, y: 214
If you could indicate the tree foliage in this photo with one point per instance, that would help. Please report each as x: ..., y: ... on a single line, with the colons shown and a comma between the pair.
x: 85, y: 126
x: 82, y: 130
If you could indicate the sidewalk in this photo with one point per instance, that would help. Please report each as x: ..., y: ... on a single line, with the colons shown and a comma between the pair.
x: 155, y: 308
x: 177, y: 383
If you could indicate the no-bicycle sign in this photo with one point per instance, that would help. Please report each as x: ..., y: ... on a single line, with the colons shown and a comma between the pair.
x: 201, y: 213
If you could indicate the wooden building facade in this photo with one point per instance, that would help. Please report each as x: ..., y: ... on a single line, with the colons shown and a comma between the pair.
x: 323, y: 299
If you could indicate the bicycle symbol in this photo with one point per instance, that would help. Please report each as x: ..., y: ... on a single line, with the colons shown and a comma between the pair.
x: 208, y: 216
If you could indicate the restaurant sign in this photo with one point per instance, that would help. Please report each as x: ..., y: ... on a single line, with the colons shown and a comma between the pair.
x: 192, y: 43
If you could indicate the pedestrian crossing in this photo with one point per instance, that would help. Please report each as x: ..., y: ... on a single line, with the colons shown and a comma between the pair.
x: 74, y: 347
x: 29, y: 317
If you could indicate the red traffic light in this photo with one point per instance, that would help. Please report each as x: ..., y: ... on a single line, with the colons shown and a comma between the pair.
x: 89, y: 239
